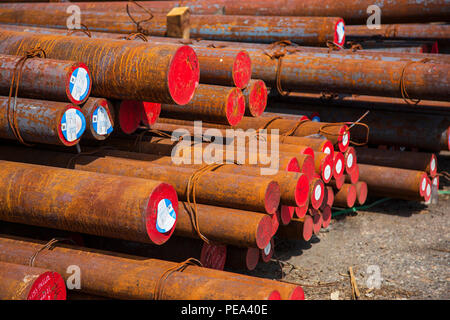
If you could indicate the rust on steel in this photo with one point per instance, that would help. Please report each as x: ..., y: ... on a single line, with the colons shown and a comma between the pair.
x: 130, y: 277
x: 164, y: 73
x: 346, y: 196
x: 100, y: 204
x: 46, y: 79
x: 211, y: 103
x: 21, y: 282
x: 409, y: 31
x: 261, y: 194
x: 255, y: 94
x: 41, y: 121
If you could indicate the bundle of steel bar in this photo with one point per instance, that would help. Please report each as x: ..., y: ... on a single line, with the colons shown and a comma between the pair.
x: 144, y: 278
x: 416, y: 47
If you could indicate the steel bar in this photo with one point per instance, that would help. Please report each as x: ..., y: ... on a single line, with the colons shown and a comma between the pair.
x: 298, y: 229
x: 130, y: 277
x: 315, y: 31
x: 361, y: 192
x: 226, y: 67
x: 316, y: 191
x: 40, y: 121
x: 46, y: 79
x: 346, y: 196
x: 394, y: 182
x: 324, y: 165
x: 19, y: 282
x: 268, y: 251
x: 152, y: 72
x: 339, y: 164
x: 407, y: 31
x: 252, y: 193
x: 241, y: 258
x: 401, y: 46
x: 99, y: 116
x: 330, y: 196
x: 211, y: 103
x: 390, y: 127
x: 326, y: 216
x: 317, y: 220
x: 230, y: 48
x: 352, y: 176
x: 176, y: 249
x: 100, y: 204
x: 350, y: 10
x: 131, y: 114
x: 255, y: 95
x: 399, y: 159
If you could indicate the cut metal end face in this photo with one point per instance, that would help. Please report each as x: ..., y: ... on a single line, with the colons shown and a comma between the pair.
x: 302, y: 190
x: 274, y: 295
x: 330, y: 197
x: 361, y: 192
x: 308, y: 227
x: 339, y: 32
x: 433, y: 165
x: 258, y: 98
x: 317, y: 193
x: 293, y: 165
x: 235, y: 106
x: 213, y: 256
x: 326, y: 216
x: 328, y: 148
x: 252, y: 258
x: 272, y: 197
x: 242, y: 70
x: 72, y: 126
x: 427, y: 193
x: 297, y: 294
x: 161, y: 216
x: 351, y: 196
x: 286, y: 214
x: 338, y: 169
x: 184, y: 75
x: 150, y: 112
x: 265, y: 231
x: 130, y: 115
x: 48, y: 286
x: 344, y: 139
x: 79, y: 84
x: 267, y: 252
x: 423, y: 184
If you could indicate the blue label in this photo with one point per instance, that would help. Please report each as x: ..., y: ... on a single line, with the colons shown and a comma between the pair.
x: 79, y: 84
x: 101, y: 121
x: 73, y: 124
x: 165, y: 216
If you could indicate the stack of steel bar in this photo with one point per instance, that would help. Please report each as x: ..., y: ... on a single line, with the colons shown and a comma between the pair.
x: 198, y: 170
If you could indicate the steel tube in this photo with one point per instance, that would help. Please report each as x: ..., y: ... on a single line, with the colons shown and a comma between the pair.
x: 46, y: 79
x: 100, y: 204
x: 155, y: 73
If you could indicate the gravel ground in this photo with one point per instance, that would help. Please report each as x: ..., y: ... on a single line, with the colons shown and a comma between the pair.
x: 398, y: 250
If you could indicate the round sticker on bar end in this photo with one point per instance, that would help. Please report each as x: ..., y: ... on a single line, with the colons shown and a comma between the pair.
x: 72, y: 126
x: 79, y: 84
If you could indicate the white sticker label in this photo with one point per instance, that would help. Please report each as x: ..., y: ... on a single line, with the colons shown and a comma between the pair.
x: 435, y: 181
x: 267, y: 249
x: 79, y: 84
x: 428, y: 190
x: 339, y: 166
x: 73, y: 124
x: 340, y: 29
x: 433, y: 164
x: 349, y: 160
x: 317, y: 193
x: 345, y: 139
x: 101, y: 121
x: 165, y: 216
x: 327, y: 172
x: 424, y: 184
x: 327, y: 150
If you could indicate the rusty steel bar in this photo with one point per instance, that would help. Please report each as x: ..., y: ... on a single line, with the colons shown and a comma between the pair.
x: 339, y: 164
x: 99, y: 116
x: 211, y: 103
x: 100, y: 204
x: 163, y: 73
x: 298, y: 229
x: 268, y: 251
x: 330, y: 196
x: 241, y: 258
x: 176, y: 249
x: 352, y: 176
x: 46, y: 79
x: 326, y: 216
x: 346, y: 196
x: 316, y: 192
x: 231, y: 48
x: 390, y: 127
x: 226, y: 67
x: 261, y: 194
x: 350, y: 160
x: 255, y: 95
x: 19, y: 282
x: 129, y: 277
x: 408, y: 31
x: 353, y: 11
x: 317, y: 220
x: 304, y: 30
x: 394, y: 182
x: 361, y: 192
x: 399, y: 159
x: 40, y: 121
x: 324, y: 165
x: 401, y: 46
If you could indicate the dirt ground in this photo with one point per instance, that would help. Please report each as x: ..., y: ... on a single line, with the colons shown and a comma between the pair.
x: 397, y: 249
